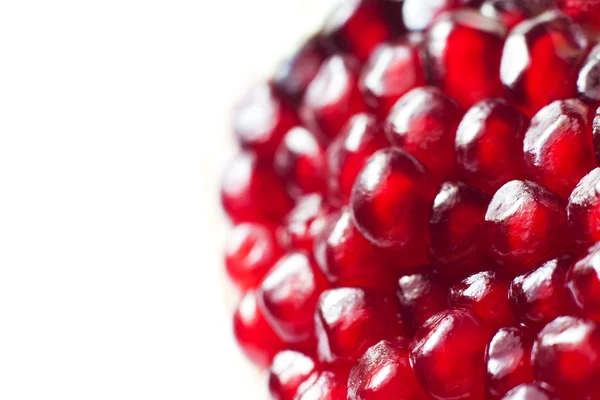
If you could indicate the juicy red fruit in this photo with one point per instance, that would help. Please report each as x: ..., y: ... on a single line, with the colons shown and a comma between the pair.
x: 288, y: 371
x: 421, y: 296
x: 420, y: 14
x: 584, y: 209
x: 583, y: 282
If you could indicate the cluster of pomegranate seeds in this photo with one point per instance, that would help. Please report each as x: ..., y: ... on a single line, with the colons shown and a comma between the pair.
x: 416, y: 205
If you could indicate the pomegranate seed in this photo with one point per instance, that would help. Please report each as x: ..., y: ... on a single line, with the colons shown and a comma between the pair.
x: 262, y: 119
x: 333, y: 96
x: 510, y: 12
x: 253, y: 332
x: 300, y: 162
x: 486, y: 294
x: 457, y: 246
x: 384, y: 373
x: 489, y: 143
x: 582, y: 10
x: 420, y: 14
x: 393, y: 70
x: 348, y: 259
x: 583, y: 281
x: 251, y: 251
x: 348, y: 153
x: 548, y: 48
x: 304, y: 223
x: 566, y: 356
x: 527, y: 391
x: 558, y: 148
x: 448, y: 354
x: 584, y: 210
x: 251, y: 191
x: 358, y: 27
x: 588, y: 82
x: 289, y: 294
x: 508, y: 360
x: 421, y: 296
x: 424, y: 122
x: 350, y: 320
x: 458, y: 62
x: 293, y: 76
x: 525, y: 225
x: 391, y: 199
x: 288, y: 371
x: 325, y: 385
x: 539, y: 296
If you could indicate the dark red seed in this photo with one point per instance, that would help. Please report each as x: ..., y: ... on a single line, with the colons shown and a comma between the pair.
x: 251, y: 251
x: 348, y: 153
x: 583, y: 282
x: 448, y: 355
x: 588, y: 82
x: 420, y: 14
x: 253, y: 332
x: 300, y: 162
x: 558, y: 148
x: 464, y: 51
x: 457, y: 246
x: 566, y: 356
x: 324, y: 385
x: 548, y: 48
x: 391, y: 200
x: 510, y: 12
x: 304, y: 223
x: 251, y: 191
x: 289, y: 295
x: 586, y: 11
x: 261, y: 120
x: 333, y: 96
x: 584, y: 210
x: 528, y: 391
x: 384, y: 373
x: 489, y: 145
x: 509, y: 360
x: 421, y: 296
x: 288, y: 371
x: 393, y: 70
x: 423, y: 123
x: 350, y: 320
x: 486, y: 294
x: 525, y: 225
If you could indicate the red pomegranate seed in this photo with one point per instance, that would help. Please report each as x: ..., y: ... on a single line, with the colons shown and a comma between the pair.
x: 289, y: 294
x: 525, y: 225
x: 288, y: 371
x: 528, y: 391
x: 348, y: 153
x: 424, y: 122
x: 348, y: 259
x: 509, y: 360
x: 358, y: 27
x: 261, y: 120
x: 464, y: 51
x: 558, y: 148
x: 548, y: 48
x: 391, y: 199
x: 350, y: 320
x: 293, y: 75
x: 586, y: 11
x: 250, y: 191
x: 420, y: 14
x: 588, y: 82
x: 325, y: 385
x: 393, y: 70
x: 251, y: 251
x: 489, y: 143
x: 384, y: 373
x: 333, y: 96
x: 583, y: 281
x: 300, y: 162
x: 457, y: 246
x: 253, y: 332
x: 584, y: 210
x: 510, y: 12
x: 448, y: 355
x: 486, y: 294
x: 539, y: 296
x: 304, y: 223
x: 421, y: 296
x: 566, y: 356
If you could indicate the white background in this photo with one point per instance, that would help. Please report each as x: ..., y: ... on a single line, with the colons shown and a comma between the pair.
x: 114, y: 130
